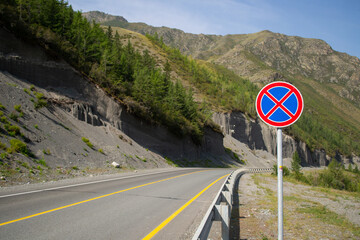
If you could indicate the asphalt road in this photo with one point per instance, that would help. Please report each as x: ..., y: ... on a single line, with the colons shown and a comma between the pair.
x: 127, y: 207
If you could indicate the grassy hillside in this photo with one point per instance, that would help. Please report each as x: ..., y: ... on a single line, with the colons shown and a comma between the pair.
x: 326, y: 78
x: 323, y: 125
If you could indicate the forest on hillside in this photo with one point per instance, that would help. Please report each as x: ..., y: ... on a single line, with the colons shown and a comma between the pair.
x: 145, y: 87
x: 131, y: 76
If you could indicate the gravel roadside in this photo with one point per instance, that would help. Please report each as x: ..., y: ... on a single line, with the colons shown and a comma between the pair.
x: 309, y: 213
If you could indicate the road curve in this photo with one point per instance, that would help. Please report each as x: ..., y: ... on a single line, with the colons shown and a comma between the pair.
x: 119, y: 208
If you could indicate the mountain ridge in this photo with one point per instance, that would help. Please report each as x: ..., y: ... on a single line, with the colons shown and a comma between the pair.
x: 229, y: 50
x: 329, y: 80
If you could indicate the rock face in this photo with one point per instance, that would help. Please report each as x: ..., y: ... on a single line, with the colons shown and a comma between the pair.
x: 102, y: 17
x: 257, y: 135
x: 89, y: 103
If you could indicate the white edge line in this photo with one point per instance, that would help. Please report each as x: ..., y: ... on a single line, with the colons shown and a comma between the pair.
x: 81, y: 184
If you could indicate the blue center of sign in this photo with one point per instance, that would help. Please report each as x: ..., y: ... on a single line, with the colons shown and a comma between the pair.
x: 278, y: 92
x: 278, y: 114
x: 291, y: 103
x: 266, y: 104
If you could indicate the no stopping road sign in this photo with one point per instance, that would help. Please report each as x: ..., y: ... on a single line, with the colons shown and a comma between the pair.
x: 279, y: 104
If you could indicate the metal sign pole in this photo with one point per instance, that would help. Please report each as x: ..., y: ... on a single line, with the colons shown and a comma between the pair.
x: 280, y: 184
x: 279, y: 104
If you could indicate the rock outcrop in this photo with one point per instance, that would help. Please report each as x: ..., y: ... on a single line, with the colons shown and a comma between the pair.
x: 92, y: 105
x: 257, y: 135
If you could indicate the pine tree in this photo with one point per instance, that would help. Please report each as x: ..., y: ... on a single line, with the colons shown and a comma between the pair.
x: 109, y: 33
x: 296, y: 165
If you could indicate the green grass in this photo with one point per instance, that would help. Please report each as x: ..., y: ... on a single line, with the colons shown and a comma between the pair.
x: 42, y: 162
x: 234, y: 156
x: 41, y: 101
x: 3, y: 119
x: 18, y: 108
x: 46, y: 152
x: 13, y: 116
x: 3, y: 156
x: 18, y: 146
x: 27, y: 91
x: 87, y: 142
x: 329, y: 217
x: 67, y: 128
x: 12, y: 130
x: 170, y: 162
x: 2, y: 146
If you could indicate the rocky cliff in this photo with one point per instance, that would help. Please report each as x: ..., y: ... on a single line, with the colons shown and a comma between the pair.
x: 259, y: 136
x: 68, y: 89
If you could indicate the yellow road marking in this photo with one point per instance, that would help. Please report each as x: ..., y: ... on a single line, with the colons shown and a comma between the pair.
x: 92, y: 199
x: 164, y: 223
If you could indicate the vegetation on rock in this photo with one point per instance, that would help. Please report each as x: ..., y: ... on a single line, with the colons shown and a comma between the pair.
x: 129, y: 75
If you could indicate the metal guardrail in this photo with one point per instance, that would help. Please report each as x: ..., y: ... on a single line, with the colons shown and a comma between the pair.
x: 220, y: 209
x: 258, y: 170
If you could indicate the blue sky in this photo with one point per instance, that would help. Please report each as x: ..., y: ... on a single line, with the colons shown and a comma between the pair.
x: 335, y: 21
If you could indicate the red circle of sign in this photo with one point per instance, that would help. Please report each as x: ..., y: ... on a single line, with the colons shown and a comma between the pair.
x: 292, y: 119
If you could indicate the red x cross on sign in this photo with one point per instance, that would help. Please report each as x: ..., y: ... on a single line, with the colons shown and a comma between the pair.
x: 279, y: 104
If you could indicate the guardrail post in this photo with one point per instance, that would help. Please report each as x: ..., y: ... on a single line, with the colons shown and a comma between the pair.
x: 222, y: 213
x: 226, y: 197
x: 220, y: 209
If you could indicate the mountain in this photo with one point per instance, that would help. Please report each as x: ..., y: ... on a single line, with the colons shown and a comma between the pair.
x: 92, y: 81
x: 259, y: 56
x: 329, y: 80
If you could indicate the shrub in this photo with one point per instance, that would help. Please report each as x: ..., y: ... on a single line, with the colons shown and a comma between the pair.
x: 356, y: 170
x: 101, y: 151
x: 3, y: 155
x: 18, y: 108
x: 3, y: 119
x: 32, y: 87
x: 2, y: 146
x: 87, y: 141
x: 36, y: 126
x: 286, y: 171
x: 46, y: 152
x: 42, y: 162
x: 14, y: 116
x: 296, y: 167
x: 18, y: 146
x: 2, y: 106
x: 27, y: 91
x: 41, y: 101
x: 12, y: 130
